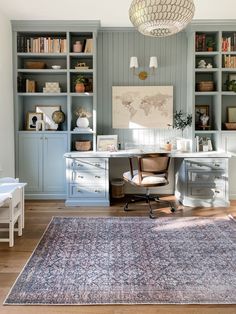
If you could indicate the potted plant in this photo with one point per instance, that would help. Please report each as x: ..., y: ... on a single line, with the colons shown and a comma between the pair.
x: 231, y: 85
x: 82, y: 120
x: 210, y: 44
x: 181, y: 122
x: 79, y: 84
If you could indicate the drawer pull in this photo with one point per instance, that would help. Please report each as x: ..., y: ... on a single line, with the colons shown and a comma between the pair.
x: 98, y: 177
x: 80, y: 177
x: 79, y: 191
x: 97, y: 165
x: 80, y: 165
x: 218, y: 178
x: 97, y: 191
x: 217, y: 192
x: 217, y: 165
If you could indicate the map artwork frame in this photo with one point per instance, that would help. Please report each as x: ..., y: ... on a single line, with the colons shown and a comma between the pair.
x: 138, y: 107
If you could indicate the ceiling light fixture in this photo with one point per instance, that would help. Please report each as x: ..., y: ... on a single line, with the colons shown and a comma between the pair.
x: 160, y: 18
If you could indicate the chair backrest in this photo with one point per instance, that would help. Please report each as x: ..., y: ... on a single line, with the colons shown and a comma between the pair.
x: 154, y: 163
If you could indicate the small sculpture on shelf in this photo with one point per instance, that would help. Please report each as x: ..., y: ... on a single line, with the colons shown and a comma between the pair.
x: 80, y: 66
x: 201, y: 64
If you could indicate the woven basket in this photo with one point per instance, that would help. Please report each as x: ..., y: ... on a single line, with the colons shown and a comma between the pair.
x: 35, y: 65
x: 82, y: 145
x: 205, y: 86
x: 230, y: 126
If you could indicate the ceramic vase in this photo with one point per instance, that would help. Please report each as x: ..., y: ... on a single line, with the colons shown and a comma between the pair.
x: 82, y: 122
x: 77, y: 47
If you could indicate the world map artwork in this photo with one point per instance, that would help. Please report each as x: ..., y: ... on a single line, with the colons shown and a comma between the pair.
x: 142, y: 106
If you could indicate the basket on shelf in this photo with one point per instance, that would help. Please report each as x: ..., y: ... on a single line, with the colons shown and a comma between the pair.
x: 230, y: 126
x: 205, y: 86
x: 35, y: 65
x: 83, y: 145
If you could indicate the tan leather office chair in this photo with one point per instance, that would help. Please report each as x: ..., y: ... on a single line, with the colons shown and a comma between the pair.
x: 152, y: 171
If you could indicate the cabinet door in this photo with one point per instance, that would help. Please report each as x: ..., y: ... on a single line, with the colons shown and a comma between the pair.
x: 54, y: 167
x: 30, y: 161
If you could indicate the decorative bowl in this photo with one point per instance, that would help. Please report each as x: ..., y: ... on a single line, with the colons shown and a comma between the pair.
x: 56, y: 67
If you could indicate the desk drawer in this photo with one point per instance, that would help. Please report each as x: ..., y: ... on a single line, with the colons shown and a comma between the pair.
x: 89, y: 178
x: 206, y: 191
x: 204, y: 177
x: 75, y: 190
x: 88, y: 164
x: 206, y: 164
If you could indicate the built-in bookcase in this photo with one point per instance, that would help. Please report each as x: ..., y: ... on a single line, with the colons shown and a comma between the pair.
x: 38, y: 47
x: 214, y: 64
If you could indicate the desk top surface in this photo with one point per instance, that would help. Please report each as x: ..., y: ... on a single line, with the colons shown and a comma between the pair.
x: 133, y: 152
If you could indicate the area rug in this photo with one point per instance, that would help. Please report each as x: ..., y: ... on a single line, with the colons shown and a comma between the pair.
x: 187, y: 260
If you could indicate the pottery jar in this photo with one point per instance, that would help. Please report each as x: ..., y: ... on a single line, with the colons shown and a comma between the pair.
x: 77, y: 47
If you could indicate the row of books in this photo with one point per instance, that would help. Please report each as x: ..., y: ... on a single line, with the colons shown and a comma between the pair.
x: 229, y: 61
x: 41, y: 44
x: 228, y: 43
x: 200, y: 42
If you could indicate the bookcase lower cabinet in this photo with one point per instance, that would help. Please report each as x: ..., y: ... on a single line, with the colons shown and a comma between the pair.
x: 87, y: 181
x: 42, y: 166
x: 202, y: 182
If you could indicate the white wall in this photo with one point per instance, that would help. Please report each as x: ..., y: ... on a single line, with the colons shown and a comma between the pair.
x: 6, y: 100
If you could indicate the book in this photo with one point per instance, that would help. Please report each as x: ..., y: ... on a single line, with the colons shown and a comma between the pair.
x: 88, y: 46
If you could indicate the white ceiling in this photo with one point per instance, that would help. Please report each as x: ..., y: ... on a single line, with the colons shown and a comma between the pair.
x: 109, y: 12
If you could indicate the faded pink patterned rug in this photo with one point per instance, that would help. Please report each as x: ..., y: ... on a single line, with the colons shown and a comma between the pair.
x: 131, y: 261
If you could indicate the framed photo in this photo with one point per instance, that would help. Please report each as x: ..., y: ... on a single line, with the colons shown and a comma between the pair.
x: 31, y: 119
x: 47, y: 111
x: 231, y: 112
x: 200, y: 110
x: 107, y: 143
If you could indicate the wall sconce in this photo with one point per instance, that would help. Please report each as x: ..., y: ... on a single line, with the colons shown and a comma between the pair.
x: 143, y: 74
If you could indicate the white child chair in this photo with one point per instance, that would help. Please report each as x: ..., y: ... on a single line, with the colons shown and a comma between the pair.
x: 10, y: 211
x: 14, y: 182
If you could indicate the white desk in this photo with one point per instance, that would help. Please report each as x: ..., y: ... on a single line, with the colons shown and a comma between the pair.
x: 201, y: 179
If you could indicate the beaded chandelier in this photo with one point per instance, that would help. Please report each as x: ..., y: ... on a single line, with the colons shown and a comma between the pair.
x: 160, y: 18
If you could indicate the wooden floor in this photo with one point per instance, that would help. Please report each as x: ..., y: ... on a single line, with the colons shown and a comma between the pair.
x: 39, y: 214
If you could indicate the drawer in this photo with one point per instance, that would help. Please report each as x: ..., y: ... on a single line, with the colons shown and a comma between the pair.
x: 206, y: 191
x: 205, y: 177
x: 75, y: 190
x: 88, y: 164
x: 205, y: 164
x: 89, y: 178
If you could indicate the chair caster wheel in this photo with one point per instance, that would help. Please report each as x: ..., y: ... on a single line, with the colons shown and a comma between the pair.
x: 126, y: 208
x: 173, y: 209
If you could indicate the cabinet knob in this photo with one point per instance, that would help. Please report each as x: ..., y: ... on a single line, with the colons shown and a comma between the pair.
x: 80, y: 177
x: 98, y: 177
x: 217, y: 165
x: 217, y: 192
x: 97, y: 165
x: 97, y: 191
x: 79, y: 191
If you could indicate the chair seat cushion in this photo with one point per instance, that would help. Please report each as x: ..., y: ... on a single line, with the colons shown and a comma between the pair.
x: 147, y: 179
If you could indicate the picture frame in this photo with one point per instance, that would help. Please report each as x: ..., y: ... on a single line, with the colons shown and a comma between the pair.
x: 47, y: 111
x: 231, y: 114
x: 107, y: 143
x: 142, y: 107
x: 199, y: 111
x: 31, y: 119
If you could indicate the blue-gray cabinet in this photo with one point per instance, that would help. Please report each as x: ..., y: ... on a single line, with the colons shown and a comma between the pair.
x: 41, y: 164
